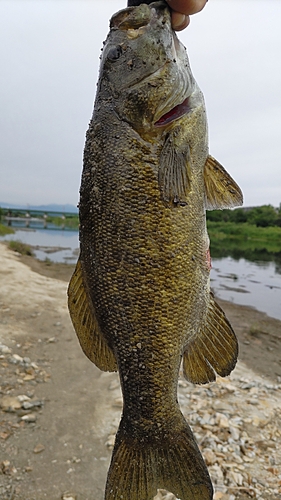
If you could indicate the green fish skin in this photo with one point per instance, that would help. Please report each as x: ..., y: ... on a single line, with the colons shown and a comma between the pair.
x: 140, y: 298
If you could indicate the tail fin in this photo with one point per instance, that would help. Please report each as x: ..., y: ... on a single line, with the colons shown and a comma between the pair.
x: 169, y: 460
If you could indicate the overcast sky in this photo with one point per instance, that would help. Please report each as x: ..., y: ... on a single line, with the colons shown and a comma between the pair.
x: 49, y: 54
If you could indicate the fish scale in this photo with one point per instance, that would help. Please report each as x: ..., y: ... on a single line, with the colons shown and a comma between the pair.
x: 140, y: 298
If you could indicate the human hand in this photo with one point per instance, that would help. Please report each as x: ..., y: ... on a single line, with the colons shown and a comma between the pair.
x: 182, y: 9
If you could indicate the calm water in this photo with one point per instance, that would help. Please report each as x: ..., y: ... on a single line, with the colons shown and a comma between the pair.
x: 248, y: 283
x: 256, y: 284
x: 54, y: 244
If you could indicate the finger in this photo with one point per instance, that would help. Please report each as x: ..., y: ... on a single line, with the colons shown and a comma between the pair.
x: 187, y: 7
x: 179, y: 21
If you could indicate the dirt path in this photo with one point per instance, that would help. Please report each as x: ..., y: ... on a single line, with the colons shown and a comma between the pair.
x: 59, y: 413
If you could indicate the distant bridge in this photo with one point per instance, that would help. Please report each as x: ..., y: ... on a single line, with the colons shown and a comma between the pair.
x: 36, y: 219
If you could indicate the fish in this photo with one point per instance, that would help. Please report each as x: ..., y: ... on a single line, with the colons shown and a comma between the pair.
x: 140, y: 298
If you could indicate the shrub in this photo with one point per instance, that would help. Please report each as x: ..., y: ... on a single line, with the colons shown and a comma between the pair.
x: 22, y: 248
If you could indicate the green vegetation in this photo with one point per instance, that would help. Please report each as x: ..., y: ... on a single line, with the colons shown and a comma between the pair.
x: 70, y: 221
x: 263, y: 216
x: 245, y: 234
x: 20, y: 247
x: 254, y: 234
x: 5, y: 230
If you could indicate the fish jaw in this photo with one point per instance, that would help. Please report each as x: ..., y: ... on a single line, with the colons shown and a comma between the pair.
x: 145, y: 69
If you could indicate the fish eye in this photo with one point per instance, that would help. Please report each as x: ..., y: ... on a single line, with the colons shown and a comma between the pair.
x: 114, y: 53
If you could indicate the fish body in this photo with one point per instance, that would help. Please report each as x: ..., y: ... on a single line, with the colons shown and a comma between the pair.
x: 140, y: 297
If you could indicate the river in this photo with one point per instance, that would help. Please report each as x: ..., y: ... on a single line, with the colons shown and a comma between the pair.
x: 256, y: 284
x: 54, y: 244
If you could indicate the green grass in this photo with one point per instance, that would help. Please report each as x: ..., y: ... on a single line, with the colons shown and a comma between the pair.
x: 22, y: 248
x: 69, y: 222
x: 245, y: 240
x: 247, y: 232
x: 5, y: 230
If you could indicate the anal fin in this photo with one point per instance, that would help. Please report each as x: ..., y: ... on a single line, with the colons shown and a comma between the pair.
x: 85, y: 323
x: 213, y: 350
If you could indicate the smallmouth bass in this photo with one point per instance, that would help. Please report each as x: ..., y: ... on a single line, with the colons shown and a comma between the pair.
x: 140, y: 298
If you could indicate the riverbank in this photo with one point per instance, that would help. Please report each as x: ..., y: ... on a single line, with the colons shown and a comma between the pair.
x: 59, y: 413
x: 259, y: 335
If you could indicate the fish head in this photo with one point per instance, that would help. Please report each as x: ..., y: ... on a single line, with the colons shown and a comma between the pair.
x: 145, y: 72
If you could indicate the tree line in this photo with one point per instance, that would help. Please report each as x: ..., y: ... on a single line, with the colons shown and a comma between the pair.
x: 263, y: 216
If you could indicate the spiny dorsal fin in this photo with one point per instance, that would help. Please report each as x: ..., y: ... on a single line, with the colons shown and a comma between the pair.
x: 221, y: 191
x: 174, y: 176
x: 86, y: 326
x: 213, y: 350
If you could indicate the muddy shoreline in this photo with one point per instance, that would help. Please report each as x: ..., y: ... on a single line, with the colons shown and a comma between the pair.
x: 59, y: 413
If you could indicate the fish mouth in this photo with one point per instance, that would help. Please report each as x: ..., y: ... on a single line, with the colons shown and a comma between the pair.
x: 173, y: 114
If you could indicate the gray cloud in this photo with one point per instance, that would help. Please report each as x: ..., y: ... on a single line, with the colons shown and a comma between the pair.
x: 49, y: 53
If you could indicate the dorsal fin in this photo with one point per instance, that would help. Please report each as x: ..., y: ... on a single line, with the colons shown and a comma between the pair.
x: 85, y: 323
x: 221, y: 191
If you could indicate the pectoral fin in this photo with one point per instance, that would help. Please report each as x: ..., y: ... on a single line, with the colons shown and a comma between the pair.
x: 213, y: 350
x: 86, y: 325
x: 174, y: 176
x: 221, y: 191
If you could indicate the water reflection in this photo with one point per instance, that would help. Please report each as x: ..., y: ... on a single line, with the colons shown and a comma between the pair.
x: 256, y: 284
x: 246, y: 250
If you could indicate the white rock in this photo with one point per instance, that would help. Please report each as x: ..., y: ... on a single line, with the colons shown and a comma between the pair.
x: 17, y: 358
x: 165, y: 495
x: 22, y: 398
x: 209, y: 456
x: 110, y: 441
x: 10, y: 403
x: 4, y: 349
x: 230, y: 388
x: 236, y: 477
x: 222, y: 420
x: 68, y: 496
x: 223, y: 406
x: 235, y: 433
x: 30, y: 418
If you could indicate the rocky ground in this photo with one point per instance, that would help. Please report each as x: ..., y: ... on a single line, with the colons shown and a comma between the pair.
x: 59, y: 414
